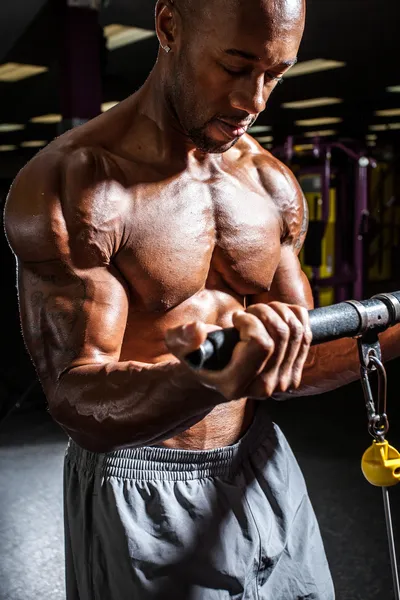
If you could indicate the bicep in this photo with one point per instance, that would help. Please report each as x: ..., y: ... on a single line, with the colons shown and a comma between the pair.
x: 70, y: 317
x: 289, y: 285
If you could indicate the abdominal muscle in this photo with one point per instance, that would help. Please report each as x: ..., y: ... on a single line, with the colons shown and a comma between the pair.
x: 223, y: 426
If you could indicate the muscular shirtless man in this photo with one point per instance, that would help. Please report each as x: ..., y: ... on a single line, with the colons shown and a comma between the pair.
x: 135, y: 235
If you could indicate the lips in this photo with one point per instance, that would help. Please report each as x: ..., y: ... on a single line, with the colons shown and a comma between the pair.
x: 232, y: 129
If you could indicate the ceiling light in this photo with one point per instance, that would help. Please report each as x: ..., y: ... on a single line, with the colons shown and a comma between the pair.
x: 323, y: 133
x: 17, y: 71
x: 119, y: 35
x: 313, y: 66
x: 321, y: 121
x: 50, y: 118
x: 107, y: 105
x: 259, y: 128
x: 4, y: 127
x: 268, y: 146
x: 312, y: 103
x: 265, y: 138
x: 378, y: 127
x: 7, y: 147
x: 393, y: 88
x: 33, y: 144
x: 371, y: 136
x: 303, y: 147
x: 371, y: 143
x: 390, y: 112
x: 384, y: 126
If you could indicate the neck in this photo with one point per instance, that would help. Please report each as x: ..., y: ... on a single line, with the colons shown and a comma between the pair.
x: 155, y: 116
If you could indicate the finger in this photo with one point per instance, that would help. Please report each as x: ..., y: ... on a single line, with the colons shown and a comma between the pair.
x: 298, y: 366
x: 304, y: 317
x: 255, y: 348
x: 280, y: 333
x: 184, y: 339
x: 251, y: 328
x: 296, y: 319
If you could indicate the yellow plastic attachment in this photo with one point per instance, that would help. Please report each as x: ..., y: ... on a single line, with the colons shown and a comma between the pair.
x: 381, y: 464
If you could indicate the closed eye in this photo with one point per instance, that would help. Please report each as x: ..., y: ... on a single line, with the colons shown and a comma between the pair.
x: 277, y: 79
x: 235, y: 73
x: 243, y: 72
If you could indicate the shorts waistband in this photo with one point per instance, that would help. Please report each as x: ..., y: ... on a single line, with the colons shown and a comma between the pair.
x: 155, y: 462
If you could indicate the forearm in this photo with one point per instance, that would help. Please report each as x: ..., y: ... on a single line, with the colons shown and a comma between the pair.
x: 337, y: 363
x: 116, y: 405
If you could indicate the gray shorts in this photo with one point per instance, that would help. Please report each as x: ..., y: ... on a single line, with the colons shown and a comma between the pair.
x: 156, y: 523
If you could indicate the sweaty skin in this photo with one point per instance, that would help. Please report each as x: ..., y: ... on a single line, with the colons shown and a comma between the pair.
x: 155, y: 215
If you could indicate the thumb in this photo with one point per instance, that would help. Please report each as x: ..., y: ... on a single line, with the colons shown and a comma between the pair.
x: 184, y: 339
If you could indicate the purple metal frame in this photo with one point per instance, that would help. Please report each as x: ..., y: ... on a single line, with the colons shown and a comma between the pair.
x: 360, y: 211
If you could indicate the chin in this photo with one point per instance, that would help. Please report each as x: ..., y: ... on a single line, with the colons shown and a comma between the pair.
x: 211, y: 146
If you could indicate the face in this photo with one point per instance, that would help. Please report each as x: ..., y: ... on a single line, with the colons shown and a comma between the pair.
x: 223, y: 71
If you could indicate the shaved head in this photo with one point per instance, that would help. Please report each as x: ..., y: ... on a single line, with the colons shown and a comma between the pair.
x: 286, y: 11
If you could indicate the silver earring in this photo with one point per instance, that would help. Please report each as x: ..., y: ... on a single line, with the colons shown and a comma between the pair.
x: 167, y: 49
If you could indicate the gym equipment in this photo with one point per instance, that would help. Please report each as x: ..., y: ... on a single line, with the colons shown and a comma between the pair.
x: 336, y: 269
x: 364, y: 320
x: 318, y: 256
x: 385, y: 211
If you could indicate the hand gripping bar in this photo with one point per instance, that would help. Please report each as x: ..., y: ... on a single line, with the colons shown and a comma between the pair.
x: 346, y: 319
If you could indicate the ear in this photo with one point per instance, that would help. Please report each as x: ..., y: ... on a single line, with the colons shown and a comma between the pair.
x: 165, y: 23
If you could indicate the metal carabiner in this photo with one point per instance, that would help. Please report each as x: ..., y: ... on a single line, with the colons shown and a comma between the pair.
x: 378, y: 424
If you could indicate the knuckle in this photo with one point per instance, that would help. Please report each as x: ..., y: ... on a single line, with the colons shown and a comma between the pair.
x: 262, y: 311
x: 238, y: 313
x: 268, y: 345
x: 308, y: 336
x: 304, y: 314
x: 297, y: 329
x: 283, y: 330
x: 275, y: 304
x: 254, y: 308
x: 263, y: 342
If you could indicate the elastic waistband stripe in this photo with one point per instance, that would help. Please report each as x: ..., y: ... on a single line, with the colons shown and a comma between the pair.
x: 152, y: 462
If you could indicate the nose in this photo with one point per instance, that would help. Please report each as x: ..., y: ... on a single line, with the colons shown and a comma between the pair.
x: 250, y: 95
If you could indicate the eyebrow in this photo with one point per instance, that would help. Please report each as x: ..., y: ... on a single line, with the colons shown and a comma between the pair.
x: 250, y: 56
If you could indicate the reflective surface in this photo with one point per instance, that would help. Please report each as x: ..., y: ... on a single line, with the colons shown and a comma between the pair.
x: 31, y: 528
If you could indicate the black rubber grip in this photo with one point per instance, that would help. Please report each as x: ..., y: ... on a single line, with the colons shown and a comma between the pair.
x: 327, y: 324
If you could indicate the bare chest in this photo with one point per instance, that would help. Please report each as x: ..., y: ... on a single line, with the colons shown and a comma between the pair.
x: 188, y: 235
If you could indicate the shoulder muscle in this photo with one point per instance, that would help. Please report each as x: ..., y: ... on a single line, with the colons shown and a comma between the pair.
x: 59, y: 207
x: 284, y: 189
